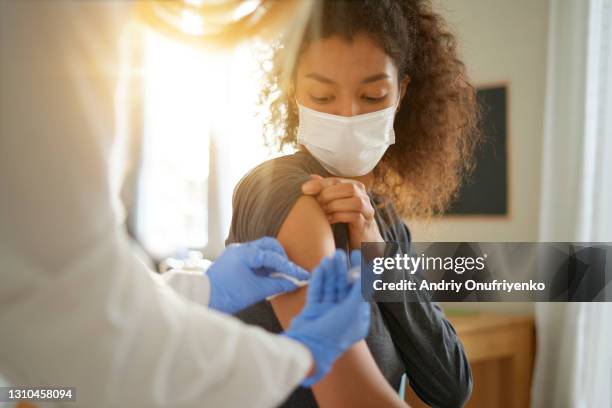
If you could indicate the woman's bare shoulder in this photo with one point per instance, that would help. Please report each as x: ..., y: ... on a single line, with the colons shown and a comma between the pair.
x: 306, y: 233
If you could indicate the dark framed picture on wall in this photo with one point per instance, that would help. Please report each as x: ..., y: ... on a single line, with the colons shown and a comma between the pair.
x: 486, y: 192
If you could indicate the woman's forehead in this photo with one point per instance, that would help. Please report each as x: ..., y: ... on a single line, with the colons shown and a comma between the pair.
x: 342, y: 60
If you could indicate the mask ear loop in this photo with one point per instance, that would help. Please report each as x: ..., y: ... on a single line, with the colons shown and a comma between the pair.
x: 395, y: 111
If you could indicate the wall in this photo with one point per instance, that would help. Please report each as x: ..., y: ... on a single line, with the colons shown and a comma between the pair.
x: 503, y: 42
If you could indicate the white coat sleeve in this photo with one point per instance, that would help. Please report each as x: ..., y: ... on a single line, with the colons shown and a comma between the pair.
x: 191, y: 285
x: 77, y: 308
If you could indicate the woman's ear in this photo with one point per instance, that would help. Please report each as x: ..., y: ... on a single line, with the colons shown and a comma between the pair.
x: 403, y: 88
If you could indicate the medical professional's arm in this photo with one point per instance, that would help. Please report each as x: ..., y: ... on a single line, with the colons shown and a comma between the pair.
x: 243, y: 275
x: 355, y: 379
x: 76, y: 307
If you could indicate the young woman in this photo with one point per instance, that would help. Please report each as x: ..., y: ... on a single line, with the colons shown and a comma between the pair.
x: 379, y: 101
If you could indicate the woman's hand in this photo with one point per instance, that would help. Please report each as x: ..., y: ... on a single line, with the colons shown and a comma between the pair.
x: 345, y: 200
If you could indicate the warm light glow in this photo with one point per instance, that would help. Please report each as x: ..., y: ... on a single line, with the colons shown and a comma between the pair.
x: 191, y: 23
x: 175, y: 171
x: 193, y: 99
x: 245, y: 8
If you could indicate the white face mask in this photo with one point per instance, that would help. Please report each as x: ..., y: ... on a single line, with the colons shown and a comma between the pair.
x: 347, y: 146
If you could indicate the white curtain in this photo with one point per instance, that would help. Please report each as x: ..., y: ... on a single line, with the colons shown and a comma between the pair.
x: 574, y: 350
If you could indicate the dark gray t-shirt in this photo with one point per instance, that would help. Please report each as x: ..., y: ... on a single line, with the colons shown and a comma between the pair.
x: 409, y: 337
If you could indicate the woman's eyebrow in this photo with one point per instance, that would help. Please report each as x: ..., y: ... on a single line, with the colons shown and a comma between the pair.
x: 375, y: 78
x: 319, y: 78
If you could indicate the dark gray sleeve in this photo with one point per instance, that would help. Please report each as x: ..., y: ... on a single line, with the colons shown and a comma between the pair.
x: 436, y: 364
x: 263, y: 198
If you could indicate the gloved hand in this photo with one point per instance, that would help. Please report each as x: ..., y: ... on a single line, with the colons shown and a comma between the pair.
x: 240, y: 277
x: 335, y: 315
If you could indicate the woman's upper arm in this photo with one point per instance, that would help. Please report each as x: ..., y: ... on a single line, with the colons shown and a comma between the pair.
x: 307, y: 238
x: 355, y: 379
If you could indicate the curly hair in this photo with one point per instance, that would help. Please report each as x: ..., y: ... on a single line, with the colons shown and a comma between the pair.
x: 437, y: 125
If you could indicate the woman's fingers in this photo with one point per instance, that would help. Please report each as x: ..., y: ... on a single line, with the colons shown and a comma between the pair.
x: 330, y: 188
x: 344, y: 204
x: 352, y: 204
x: 342, y: 190
x: 349, y: 217
x: 316, y: 185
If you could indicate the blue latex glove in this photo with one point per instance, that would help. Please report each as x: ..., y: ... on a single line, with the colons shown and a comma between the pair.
x: 240, y: 276
x: 335, y: 315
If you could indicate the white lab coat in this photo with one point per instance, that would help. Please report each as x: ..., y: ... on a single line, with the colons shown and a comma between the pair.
x: 77, y: 308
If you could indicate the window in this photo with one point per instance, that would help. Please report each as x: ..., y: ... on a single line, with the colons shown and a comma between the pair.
x: 200, y: 134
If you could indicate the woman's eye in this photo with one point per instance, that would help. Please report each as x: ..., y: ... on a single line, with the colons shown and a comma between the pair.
x: 374, y: 99
x: 321, y: 99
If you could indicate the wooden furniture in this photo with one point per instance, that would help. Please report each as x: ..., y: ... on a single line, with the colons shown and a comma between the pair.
x: 501, y: 352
